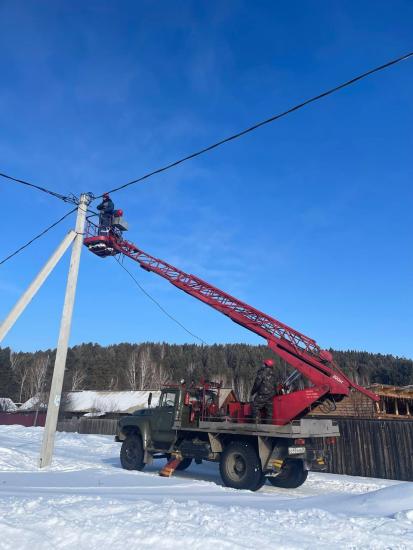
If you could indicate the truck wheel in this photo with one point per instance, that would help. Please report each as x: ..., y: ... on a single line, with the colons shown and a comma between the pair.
x: 183, y: 465
x: 292, y: 475
x: 131, y: 453
x: 261, y: 483
x: 240, y: 467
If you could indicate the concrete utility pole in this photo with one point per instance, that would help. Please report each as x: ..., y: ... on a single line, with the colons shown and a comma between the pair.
x: 36, y: 284
x: 46, y: 453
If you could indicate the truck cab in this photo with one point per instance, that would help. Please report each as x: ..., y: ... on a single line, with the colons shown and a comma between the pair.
x: 164, y: 416
x: 154, y: 424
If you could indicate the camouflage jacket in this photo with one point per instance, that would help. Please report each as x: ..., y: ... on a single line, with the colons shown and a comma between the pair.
x: 265, y: 382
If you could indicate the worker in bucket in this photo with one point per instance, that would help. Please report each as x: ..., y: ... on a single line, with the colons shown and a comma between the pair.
x: 263, y: 390
x: 106, y: 208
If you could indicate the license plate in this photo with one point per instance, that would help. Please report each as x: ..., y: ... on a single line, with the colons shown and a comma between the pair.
x: 296, y: 450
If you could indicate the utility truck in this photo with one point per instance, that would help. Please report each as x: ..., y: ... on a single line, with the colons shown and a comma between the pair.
x: 194, y: 423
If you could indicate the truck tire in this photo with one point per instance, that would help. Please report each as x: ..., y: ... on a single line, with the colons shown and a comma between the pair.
x: 292, y: 475
x: 183, y: 465
x: 131, y: 453
x: 240, y: 467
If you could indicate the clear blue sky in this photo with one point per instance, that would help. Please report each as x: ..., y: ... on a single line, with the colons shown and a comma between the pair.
x: 308, y: 219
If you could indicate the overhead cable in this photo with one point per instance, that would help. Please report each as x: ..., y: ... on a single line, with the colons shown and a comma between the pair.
x: 264, y: 122
x: 158, y: 304
x: 66, y: 198
x: 37, y: 237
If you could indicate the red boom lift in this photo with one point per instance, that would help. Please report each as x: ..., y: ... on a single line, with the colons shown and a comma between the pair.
x: 328, y: 383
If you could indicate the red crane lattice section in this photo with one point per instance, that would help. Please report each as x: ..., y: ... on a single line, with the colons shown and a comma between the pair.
x: 295, y: 348
x: 251, y: 318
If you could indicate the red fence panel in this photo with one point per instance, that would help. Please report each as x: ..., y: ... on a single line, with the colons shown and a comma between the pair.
x: 27, y: 419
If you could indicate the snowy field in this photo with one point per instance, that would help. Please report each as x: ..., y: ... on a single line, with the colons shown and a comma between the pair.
x: 86, y: 501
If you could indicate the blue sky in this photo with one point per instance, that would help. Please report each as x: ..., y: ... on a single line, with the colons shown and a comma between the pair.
x: 308, y: 219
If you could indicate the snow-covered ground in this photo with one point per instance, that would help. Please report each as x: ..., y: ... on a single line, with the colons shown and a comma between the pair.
x: 86, y: 501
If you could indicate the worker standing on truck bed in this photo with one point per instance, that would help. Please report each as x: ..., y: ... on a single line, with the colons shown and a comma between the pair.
x: 264, y: 389
x: 106, y: 208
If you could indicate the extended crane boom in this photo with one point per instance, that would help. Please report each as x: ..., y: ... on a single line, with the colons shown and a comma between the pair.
x: 298, y: 350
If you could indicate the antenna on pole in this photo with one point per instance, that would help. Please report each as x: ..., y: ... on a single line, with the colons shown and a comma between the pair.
x: 46, y: 453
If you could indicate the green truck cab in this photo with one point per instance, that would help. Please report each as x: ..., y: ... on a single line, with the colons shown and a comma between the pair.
x: 193, y: 424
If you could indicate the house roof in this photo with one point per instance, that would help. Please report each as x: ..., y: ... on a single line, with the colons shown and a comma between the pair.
x: 392, y: 391
x: 6, y: 404
x: 90, y: 401
x: 100, y: 401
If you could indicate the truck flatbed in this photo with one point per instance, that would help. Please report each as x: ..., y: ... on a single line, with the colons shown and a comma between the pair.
x: 305, y: 427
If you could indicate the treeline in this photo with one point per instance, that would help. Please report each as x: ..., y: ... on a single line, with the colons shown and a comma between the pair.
x: 149, y: 365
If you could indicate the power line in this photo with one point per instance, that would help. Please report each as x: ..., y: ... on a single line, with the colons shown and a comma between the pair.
x: 66, y: 198
x: 158, y: 304
x: 37, y: 237
x: 264, y: 122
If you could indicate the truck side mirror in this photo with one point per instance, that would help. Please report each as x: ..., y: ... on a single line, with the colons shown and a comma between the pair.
x: 149, y: 399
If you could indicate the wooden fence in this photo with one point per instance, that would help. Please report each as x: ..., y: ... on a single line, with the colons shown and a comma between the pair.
x: 366, y: 447
x: 374, y: 448
x: 85, y: 425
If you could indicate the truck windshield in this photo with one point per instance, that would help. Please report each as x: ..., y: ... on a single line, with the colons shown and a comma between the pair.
x: 168, y: 399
